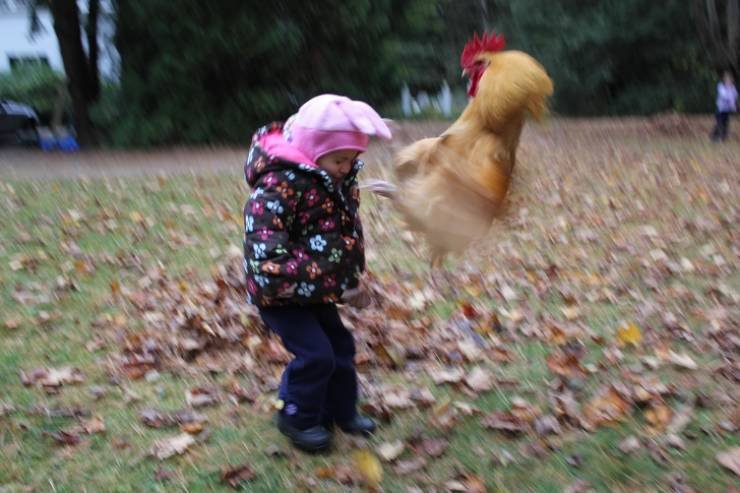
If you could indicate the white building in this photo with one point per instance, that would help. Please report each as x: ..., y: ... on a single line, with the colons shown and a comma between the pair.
x: 18, y: 45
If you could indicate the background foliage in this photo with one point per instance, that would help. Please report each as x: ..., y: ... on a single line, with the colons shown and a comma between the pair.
x: 199, y: 72
x: 38, y: 86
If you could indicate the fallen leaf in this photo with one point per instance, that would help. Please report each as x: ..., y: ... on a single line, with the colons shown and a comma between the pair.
x: 163, y: 474
x: 547, y: 425
x: 682, y: 360
x: 398, y: 399
x: 63, y: 437
x: 405, y: 467
x: 479, y: 380
x: 167, y: 447
x: 730, y: 459
x: 341, y: 473
x: 468, y: 310
x: 571, y: 312
x: 578, y: 486
x: 675, y: 441
x: 193, y: 427
x: 523, y: 410
x: 390, y: 451
x: 470, y: 350
x: 453, y: 375
x: 467, y: 483
x: 273, y: 450
x: 506, y: 422
x: 52, y: 377
x: 201, y: 397
x: 422, y: 397
x: 93, y: 425
x: 607, y: 407
x: 434, y: 447
x: 629, y: 444
x: 235, y: 476
x: 565, y: 364
x: 155, y: 419
x: 368, y: 466
x: 681, y: 418
x: 629, y: 334
x: 115, y: 287
x: 658, y: 416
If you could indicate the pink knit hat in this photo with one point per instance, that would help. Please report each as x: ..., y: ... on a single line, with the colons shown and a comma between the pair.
x: 329, y: 123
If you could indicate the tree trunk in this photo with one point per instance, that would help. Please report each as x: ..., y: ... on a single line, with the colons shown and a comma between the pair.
x: 91, y: 28
x: 720, y: 31
x: 67, y: 28
x: 733, y: 34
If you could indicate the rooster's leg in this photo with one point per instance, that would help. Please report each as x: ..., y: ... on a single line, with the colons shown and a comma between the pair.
x: 439, y: 277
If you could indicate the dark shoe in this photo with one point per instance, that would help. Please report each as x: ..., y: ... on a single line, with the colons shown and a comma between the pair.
x: 311, y: 439
x: 359, y: 425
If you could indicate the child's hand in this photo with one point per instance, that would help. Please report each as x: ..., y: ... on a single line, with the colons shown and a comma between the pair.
x: 357, y: 297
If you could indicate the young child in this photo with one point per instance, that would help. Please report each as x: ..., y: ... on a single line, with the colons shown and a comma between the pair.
x: 304, y: 252
x: 726, y: 104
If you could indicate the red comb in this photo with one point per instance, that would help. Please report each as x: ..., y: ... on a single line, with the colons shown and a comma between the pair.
x: 481, y: 44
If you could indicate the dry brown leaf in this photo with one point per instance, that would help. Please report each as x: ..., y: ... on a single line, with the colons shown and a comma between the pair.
x: 571, y: 312
x: 341, y: 473
x: 629, y: 444
x: 167, y: 447
x: 565, y: 364
x: 451, y: 375
x: 163, y: 474
x: 398, y: 399
x: 730, y: 459
x: 201, y: 397
x: 658, y: 416
x: 405, y: 467
x: 433, y: 446
x: 193, y: 427
x: 682, y: 360
x: 523, y: 410
x: 681, y: 418
x: 155, y: 419
x: 505, y: 422
x: 547, y: 425
x: 470, y: 350
x: 422, y: 397
x: 607, y: 407
x: 390, y: 451
x: 63, y: 437
x: 235, y: 476
x: 479, y: 380
x: 52, y: 377
x: 466, y: 483
x: 93, y: 425
x: 390, y: 354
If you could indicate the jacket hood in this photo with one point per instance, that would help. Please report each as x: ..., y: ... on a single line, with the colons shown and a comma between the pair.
x: 270, y: 152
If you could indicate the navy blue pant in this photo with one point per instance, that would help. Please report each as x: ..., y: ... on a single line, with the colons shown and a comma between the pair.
x: 320, y: 384
x: 722, y: 125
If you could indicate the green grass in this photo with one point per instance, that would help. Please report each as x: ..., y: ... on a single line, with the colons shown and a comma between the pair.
x: 190, y: 222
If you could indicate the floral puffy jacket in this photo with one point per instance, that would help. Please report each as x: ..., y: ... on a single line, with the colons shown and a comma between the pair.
x: 303, y: 239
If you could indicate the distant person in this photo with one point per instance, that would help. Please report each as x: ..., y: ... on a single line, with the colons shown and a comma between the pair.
x: 726, y: 104
x: 304, y: 253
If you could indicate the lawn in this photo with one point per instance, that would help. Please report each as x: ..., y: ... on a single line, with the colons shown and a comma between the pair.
x: 590, y: 344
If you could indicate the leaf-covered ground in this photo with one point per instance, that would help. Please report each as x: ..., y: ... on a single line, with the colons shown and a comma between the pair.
x: 590, y: 344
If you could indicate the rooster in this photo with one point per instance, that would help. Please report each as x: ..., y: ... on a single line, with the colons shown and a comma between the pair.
x: 450, y: 188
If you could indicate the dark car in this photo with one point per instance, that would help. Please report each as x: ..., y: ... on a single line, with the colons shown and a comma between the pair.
x: 18, y: 123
